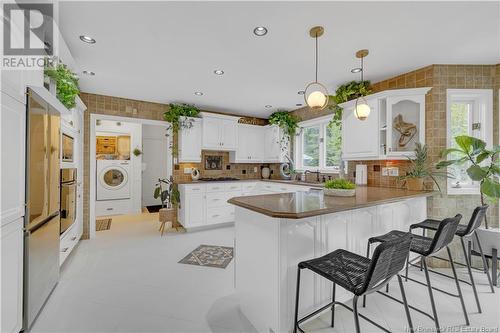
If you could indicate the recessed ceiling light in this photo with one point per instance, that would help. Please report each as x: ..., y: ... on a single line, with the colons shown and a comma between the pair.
x: 260, y: 31
x: 301, y: 92
x: 87, y: 39
x: 218, y: 72
x: 89, y: 73
x: 198, y: 93
x: 356, y: 70
x: 269, y: 106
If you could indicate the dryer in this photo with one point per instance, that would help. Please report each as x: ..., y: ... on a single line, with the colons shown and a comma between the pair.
x: 113, y: 182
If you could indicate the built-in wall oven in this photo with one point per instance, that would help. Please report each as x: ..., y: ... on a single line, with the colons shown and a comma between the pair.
x: 68, y: 198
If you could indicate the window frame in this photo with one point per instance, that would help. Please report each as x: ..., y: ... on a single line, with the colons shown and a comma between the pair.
x: 482, y: 112
x: 322, y: 122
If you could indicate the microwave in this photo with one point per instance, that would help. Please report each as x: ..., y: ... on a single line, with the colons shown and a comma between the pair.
x: 68, y: 148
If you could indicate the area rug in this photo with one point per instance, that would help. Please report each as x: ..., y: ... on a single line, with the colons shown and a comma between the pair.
x: 102, y: 224
x: 209, y: 255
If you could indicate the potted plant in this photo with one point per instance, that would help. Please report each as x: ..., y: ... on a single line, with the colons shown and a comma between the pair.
x: 339, y: 187
x: 180, y: 117
x: 169, y: 196
x: 419, y: 170
x: 288, y: 123
x: 346, y: 92
x: 66, y: 83
x: 484, y: 166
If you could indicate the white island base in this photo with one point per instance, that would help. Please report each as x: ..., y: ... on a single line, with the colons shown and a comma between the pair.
x: 268, y: 250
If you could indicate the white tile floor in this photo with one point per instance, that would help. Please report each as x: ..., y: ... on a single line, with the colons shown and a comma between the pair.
x: 128, y: 280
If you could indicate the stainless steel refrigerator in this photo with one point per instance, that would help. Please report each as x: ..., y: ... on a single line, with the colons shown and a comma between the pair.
x: 41, y: 241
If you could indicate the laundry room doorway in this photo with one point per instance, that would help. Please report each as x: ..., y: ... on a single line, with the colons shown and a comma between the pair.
x: 127, y: 157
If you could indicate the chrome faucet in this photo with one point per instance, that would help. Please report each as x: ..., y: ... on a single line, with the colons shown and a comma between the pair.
x: 316, y: 172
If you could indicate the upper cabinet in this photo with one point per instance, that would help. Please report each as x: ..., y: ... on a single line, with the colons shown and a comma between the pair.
x: 219, y: 132
x: 250, y: 145
x: 395, y: 124
x: 190, y: 142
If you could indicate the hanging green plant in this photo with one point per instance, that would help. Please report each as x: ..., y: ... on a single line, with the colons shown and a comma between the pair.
x: 66, y: 83
x: 347, y: 92
x: 288, y: 123
x: 179, y: 116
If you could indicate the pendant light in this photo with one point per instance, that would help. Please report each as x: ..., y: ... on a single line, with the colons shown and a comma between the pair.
x: 361, y: 107
x: 316, y: 94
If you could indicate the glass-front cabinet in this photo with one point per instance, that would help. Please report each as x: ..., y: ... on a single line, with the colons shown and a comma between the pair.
x: 396, y: 122
x: 405, y: 124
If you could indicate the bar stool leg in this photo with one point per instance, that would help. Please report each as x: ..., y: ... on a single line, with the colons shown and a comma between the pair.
x: 407, y: 310
x: 421, y: 258
x: 297, y: 302
x: 368, y: 256
x: 470, y: 275
x: 485, y: 263
x: 333, y: 305
x: 458, y: 286
x: 407, y: 265
x: 431, y: 296
x: 356, y: 315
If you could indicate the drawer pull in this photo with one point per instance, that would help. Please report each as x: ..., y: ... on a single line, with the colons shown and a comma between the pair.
x: 109, y: 208
x: 216, y: 188
x: 216, y: 215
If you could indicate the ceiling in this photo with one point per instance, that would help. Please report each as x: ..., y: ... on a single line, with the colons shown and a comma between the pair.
x: 165, y: 51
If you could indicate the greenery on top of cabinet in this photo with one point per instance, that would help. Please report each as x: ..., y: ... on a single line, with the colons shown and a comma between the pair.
x: 286, y: 121
x: 179, y: 116
x: 347, y: 92
x: 66, y: 83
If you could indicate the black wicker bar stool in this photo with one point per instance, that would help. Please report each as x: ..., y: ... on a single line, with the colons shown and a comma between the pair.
x: 425, y: 247
x: 359, y: 275
x: 464, y: 230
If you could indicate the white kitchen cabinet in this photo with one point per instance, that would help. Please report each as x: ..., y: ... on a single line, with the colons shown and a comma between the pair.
x: 205, y: 204
x: 190, y: 142
x: 219, y: 132
x: 250, y: 145
x: 12, y: 276
x: 13, y: 134
x: 380, y: 140
x: 273, y: 152
x: 355, y: 145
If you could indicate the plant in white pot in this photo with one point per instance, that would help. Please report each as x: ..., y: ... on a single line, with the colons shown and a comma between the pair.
x: 340, y: 187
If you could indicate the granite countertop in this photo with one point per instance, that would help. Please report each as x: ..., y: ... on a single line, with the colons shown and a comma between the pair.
x: 282, y: 181
x: 313, y: 203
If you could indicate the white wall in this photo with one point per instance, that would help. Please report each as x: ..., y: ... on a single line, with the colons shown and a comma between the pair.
x: 155, y: 161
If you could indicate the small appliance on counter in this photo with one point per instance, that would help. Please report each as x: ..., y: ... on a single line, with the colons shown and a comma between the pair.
x: 361, y: 174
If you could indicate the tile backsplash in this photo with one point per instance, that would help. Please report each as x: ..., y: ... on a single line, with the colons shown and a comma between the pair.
x: 237, y: 170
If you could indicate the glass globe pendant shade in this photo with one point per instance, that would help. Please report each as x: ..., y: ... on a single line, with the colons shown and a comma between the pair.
x: 316, y: 96
x: 361, y: 109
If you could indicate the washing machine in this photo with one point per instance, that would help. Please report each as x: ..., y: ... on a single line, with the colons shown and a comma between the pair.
x: 113, y: 182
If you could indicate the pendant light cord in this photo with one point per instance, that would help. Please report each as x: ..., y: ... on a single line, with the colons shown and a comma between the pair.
x: 316, y: 57
x: 362, y: 69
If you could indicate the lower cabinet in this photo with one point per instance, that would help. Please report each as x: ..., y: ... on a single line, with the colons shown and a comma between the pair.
x: 205, y: 204
x: 12, y: 276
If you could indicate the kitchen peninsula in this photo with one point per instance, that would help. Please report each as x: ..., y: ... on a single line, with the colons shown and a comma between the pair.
x: 274, y: 232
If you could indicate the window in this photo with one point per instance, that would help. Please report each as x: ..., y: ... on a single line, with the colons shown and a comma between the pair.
x: 318, y: 146
x: 469, y: 112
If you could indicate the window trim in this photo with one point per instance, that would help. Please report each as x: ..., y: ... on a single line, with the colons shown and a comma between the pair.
x: 483, y: 102
x: 322, y: 122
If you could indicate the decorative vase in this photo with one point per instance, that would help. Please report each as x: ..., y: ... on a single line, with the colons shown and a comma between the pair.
x: 339, y: 192
x: 415, y: 184
x: 266, y: 173
x: 195, y: 174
